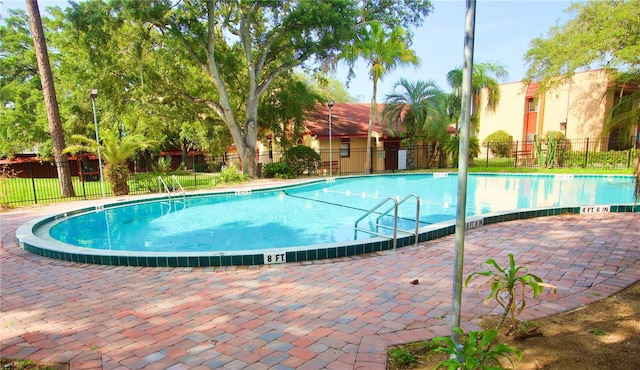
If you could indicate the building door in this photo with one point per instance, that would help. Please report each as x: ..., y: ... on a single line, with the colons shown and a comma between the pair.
x: 529, y: 127
x: 391, y: 149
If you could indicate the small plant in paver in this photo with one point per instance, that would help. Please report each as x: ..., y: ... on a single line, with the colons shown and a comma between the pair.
x: 476, y: 351
x: 407, y: 355
x: 401, y: 357
x: 598, y: 332
x: 508, y: 286
x: 10, y: 364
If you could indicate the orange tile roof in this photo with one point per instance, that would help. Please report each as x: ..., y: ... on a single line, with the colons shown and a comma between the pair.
x: 347, y: 120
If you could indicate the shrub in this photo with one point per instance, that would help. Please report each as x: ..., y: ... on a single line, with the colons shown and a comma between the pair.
x: 401, y: 356
x: 144, y: 182
x: 499, y: 143
x: 557, y: 135
x: 508, y: 287
x: 162, y: 165
x: 279, y: 170
x: 230, y: 175
x: 476, y: 351
x: 452, y: 146
x: 302, y: 159
x: 207, y: 167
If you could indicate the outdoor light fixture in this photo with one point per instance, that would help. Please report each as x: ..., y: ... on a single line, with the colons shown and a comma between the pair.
x: 93, y: 94
x: 563, y: 126
x: 331, y: 103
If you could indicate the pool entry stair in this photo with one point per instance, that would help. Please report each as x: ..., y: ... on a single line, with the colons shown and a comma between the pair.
x: 171, y: 193
x: 380, y: 225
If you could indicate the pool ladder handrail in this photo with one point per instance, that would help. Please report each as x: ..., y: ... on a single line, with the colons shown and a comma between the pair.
x: 174, y: 181
x: 396, y: 205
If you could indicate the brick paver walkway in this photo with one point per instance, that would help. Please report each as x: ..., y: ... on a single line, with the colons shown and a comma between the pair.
x: 338, y: 314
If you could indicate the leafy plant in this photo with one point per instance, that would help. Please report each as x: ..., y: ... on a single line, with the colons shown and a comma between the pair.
x: 231, y: 175
x: 598, y: 332
x: 401, y: 356
x: 508, y: 287
x: 163, y: 165
x: 280, y: 170
x: 115, y: 150
x: 302, y: 159
x: 499, y: 143
x: 453, y: 147
x: 475, y: 351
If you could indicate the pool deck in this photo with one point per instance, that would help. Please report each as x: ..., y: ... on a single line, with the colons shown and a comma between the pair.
x: 330, y: 314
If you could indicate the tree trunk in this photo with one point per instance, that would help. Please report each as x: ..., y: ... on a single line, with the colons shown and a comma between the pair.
x: 51, y: 102
x: 247, y: 149
x: 373, y: 114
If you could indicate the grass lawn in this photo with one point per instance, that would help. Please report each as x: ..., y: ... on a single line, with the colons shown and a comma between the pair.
x: 21, y: 191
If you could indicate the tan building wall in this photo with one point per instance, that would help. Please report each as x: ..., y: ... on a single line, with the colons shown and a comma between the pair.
x: 581, y: 102
x: 358, y: 145
x: 508, y: 115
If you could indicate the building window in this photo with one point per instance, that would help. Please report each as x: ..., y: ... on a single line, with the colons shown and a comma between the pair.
x: 345, y: 148
x: 533, y: 105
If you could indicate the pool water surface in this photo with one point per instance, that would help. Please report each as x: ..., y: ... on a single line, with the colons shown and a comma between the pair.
x: 319, y: 213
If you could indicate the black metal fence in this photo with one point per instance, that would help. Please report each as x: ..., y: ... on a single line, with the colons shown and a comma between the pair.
x: 36, y: 182
x: 590, y: 153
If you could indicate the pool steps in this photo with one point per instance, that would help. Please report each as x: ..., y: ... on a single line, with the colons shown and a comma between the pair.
x: 396, y: 205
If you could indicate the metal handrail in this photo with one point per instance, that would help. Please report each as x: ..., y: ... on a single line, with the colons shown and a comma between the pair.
x: 394, y: 207
x: 162, y: 184
x: 174, y: 182
x: 395, y: 221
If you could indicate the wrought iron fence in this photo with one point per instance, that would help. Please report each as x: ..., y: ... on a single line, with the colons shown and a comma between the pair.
x: 605, y: 153
x: 36, y: 182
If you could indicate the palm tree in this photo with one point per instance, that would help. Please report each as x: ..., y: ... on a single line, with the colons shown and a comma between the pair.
x: 115, y: 151
x: 624, y: 116
x: 415, y: 108
x: 485, y: 76
x: 383, y: 52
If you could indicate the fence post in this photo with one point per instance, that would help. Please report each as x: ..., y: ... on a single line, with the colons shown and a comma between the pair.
x: 195, y: 173
x: 82, y: 180
x: 629, y: 156
x: 487, y: 155
x: 33, y: 183
x: 586, y: 155
x: 515, y: 161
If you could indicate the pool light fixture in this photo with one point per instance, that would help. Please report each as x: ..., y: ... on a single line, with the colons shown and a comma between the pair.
x: 93, y: 94
x: 331, y: 103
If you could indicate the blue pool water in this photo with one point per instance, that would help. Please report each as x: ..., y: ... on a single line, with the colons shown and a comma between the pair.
x: 321, y: 212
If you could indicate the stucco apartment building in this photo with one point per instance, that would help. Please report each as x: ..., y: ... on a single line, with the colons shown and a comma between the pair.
x: 577, y: 107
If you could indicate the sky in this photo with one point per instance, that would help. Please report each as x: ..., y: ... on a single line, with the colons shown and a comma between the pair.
x: 503, y: 31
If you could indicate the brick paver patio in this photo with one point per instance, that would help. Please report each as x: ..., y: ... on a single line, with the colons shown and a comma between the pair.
x: 333, y: 314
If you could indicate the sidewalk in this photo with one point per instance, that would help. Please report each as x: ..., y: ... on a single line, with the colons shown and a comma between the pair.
x: 333, y: 314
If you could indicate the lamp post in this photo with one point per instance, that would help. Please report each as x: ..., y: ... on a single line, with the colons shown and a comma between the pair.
x: 331, y: 102
x: 93, y: 95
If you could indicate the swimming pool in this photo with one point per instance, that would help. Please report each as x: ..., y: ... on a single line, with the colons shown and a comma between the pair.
x: 314, y: 220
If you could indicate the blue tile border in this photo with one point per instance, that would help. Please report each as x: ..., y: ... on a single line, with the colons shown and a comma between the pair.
x: 33, y: 244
